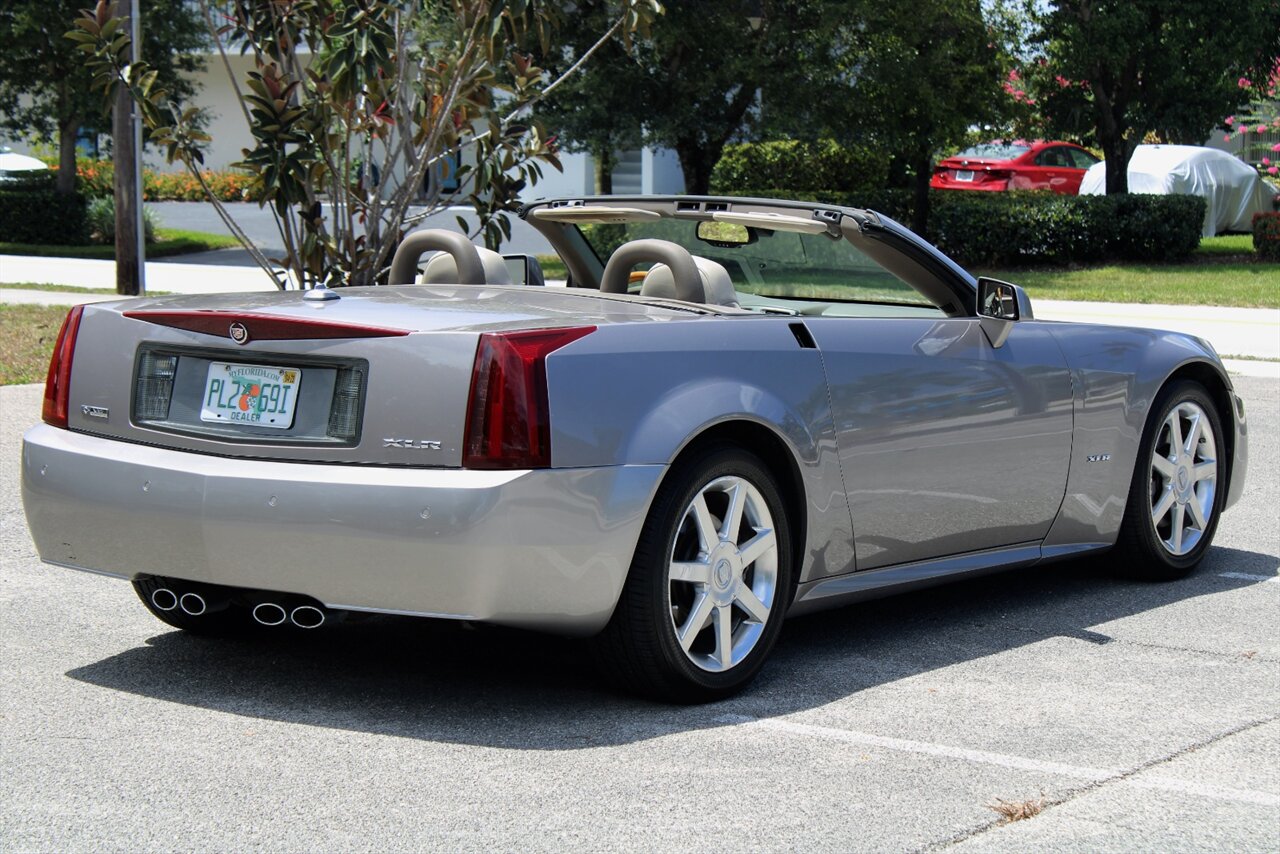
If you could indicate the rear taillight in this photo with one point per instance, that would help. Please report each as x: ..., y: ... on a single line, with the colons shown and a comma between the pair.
x: 508, y: 417
x: 57, y: 385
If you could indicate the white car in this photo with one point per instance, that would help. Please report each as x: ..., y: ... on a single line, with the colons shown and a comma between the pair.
x: 1232, y: 188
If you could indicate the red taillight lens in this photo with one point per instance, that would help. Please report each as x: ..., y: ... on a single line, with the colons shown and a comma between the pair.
x: 508, y: 416
x: 57, y: 385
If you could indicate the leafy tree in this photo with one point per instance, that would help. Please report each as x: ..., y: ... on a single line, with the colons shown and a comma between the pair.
x: 693, y: 85
x: 383, y: 93
x: 707, y: 67
x: 1118, y: 70
x: 598, y: 112
x: 912, y: 78
x: 45, y: 83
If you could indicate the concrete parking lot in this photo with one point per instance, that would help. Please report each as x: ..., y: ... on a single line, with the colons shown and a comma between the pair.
x: 1137, y: 717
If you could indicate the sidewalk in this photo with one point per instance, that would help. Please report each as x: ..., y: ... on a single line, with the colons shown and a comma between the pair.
x: 1252, y: 333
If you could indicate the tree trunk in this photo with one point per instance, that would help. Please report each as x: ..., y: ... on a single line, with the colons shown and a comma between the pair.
x: 920, y: 193
x: 129, y: 261
x: 1117, y: 152
x: 696, y: 161
x: 68, y: 130
x: 605, y: 163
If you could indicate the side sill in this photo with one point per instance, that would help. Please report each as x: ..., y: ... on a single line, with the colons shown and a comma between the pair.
x: 875, y: 583
x: 395, y: 612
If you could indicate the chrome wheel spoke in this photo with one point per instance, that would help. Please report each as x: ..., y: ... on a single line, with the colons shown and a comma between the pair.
x: 733, y: 517
x: 1207, y: 469
x: 1193, y: 435
x: 1175, y: 432
x: 1198, y: 517
x: 758, y: 546
x: 1162, y: 506
x: 708, y: 536
x: 724, y: 636
x: 694, y: 572
x: 696, y: 622
x: 1175, y: 535
x: 750, y: 602
x: 1163, y: 467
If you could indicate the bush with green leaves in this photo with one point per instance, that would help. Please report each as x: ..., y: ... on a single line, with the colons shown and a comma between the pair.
x: 42, y: 217
x: 101, y: 217
x: 822, y: 166
x: 1266, y: 236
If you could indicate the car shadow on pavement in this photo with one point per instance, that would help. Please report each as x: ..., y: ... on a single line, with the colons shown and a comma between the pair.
x: 504, y: 688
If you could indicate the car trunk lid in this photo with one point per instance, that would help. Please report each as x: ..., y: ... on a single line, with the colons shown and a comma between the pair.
x: 377, y: 376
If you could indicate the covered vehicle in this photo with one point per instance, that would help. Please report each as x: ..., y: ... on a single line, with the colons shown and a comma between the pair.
x: 735, y: 410
x: 1232, y: 189
x: 1015, y: 165
x: 20, y: 169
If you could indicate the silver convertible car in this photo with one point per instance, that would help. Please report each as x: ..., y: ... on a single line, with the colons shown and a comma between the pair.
x: 734, y: 411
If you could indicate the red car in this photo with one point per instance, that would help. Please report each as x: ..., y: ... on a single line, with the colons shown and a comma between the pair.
x: 1016, y: 165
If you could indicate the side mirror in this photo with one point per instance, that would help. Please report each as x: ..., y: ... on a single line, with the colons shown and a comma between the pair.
x: 1000, y: 305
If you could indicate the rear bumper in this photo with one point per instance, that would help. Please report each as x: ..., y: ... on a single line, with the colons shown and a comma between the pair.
x: 545, y: 549
x: 938, y: 183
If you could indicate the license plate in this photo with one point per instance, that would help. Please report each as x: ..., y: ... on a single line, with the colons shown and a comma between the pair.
x: 252, y: 395
x: 964, y: 174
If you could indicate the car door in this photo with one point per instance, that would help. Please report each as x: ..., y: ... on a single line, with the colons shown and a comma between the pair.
x: 1081, y: 160
x: 1054, y: 170
x: 946, y: 443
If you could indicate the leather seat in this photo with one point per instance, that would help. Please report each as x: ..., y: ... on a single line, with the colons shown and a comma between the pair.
x: 441, y: 269
x: 716, y: 284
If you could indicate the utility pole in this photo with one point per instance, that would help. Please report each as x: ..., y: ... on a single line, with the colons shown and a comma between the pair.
x: 126, y: 139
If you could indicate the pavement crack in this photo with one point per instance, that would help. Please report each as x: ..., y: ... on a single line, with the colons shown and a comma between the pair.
x: 1076, y: 791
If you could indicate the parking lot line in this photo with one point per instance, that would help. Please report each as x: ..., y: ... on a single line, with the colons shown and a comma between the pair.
x: 1250, y: 576
x: 1021, y: 763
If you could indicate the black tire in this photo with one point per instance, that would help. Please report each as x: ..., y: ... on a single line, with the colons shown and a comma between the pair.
x: 228, y: 620
x: 1141, y: 548
x: 639, y: 650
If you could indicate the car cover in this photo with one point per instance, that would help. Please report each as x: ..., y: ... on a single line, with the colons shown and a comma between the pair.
x: 1232, y: 188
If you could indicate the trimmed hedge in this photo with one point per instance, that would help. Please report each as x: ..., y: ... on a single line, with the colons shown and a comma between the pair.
x: 803, y: 166
x: 1037, y: 228
x: 1266, y: 236
x: 32, y: 179
x: 42, y: 216
x: 1045, y: 228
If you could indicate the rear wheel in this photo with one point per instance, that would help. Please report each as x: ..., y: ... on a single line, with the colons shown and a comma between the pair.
x: 1175, y: 498
x: 709, y: 584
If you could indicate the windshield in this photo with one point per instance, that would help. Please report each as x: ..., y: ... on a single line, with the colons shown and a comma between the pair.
x: 773, y: 265
x: 996, y: 150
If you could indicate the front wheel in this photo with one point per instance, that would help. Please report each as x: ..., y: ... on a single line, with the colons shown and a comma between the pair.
x: 1175, y: 497
x: 709, y: 584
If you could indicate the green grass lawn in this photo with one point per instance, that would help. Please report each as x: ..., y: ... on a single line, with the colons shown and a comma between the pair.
x: 1226, y: 244
x: 170, y: 241
x: 26, y: 342
x: 1239, y: 285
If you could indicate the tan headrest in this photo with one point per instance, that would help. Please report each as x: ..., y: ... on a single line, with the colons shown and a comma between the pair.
x: 441, y: 269
x: 716, y: 284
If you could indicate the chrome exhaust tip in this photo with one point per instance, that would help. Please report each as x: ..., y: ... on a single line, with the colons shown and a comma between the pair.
x: 164, y: 599
x: 270, y: 614
x: 193, y: 604
x: 307, y: 617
